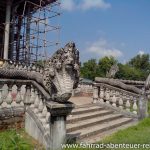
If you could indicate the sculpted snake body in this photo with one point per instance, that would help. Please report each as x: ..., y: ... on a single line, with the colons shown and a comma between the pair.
x: 60, y: 74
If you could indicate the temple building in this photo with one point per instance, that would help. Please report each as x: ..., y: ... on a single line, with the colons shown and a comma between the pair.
x: 24, y: 27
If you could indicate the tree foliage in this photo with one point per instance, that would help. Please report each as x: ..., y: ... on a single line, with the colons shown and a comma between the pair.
x: 141, y: 62
x: 129, y: 73
x: 92, y: 68
x: 89, y: 69
x: 105, y: 64
x: 137, y: 68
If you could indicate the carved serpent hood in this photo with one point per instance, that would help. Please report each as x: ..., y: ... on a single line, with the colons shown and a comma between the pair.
x: 59, y: 77
x: 62, y: 72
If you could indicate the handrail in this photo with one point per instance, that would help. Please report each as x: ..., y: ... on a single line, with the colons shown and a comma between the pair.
x: 118, y: 84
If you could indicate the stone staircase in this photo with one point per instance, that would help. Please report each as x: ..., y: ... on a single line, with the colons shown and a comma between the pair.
x: 90, y: 123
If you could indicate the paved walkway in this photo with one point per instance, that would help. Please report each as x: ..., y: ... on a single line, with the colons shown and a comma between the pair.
x: 81, y: 100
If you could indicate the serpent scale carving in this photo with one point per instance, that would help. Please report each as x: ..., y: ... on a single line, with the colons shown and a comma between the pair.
x: 59, y: 77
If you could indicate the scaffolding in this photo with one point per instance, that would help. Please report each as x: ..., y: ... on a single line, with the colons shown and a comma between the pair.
x: 35, y: 31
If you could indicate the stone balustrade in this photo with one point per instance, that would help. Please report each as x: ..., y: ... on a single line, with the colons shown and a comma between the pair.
x: 43, y: 119
x: 120, y: 97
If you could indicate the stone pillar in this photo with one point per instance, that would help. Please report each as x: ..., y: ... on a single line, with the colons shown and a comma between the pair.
x: 95, y: 93
x: 57, y: 123
x: 143, y: 107
x: 7, y: 28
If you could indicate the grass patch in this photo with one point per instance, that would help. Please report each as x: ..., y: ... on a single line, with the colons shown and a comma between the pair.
x: 138, y: 134
x: 17, y: 140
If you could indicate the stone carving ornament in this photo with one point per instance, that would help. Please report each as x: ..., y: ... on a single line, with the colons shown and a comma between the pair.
x: 112, y: 72
x: 59, y: 77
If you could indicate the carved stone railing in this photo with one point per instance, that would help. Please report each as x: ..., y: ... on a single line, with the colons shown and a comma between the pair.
x: 44, y: 102
x: 138, y: 84
x: 43, y: 119
x: 127, y: 99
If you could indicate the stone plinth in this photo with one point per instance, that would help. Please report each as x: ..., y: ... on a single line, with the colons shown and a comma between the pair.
x: 57, y: 121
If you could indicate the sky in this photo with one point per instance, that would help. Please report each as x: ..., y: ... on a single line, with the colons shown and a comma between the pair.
x: 119, y: 28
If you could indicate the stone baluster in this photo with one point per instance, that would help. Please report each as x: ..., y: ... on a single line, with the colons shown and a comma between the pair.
x: 27, y: 95
x: 124, y: 97
x: 41, y: 106
x: 107, y: 96
x: 9, y: 95
x: 47, y: 125
x: 1, y: 98
x: 36, y: 103
x: 135, y: 105
x: 128, y: 104
x: 33, y: 97
x: 120, y: 101
x: 95, y: 94
x: 117, y: 98
x: 101, y: 94
x: 43, y: 116
x: 19, y: 100
x: 114, y: 99
x: 4, y: 104
x: 111, y: 95
x: 14, y: 104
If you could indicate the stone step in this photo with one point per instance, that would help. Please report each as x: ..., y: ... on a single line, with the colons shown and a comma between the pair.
x: 75, y: 118
x: 82, y: 110
x: 101, y: 136
x: 97, y: 129
x: 90, y: 122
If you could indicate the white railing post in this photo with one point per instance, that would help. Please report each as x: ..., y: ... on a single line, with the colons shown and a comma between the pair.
x: 95, y: 94
x: 101, y: 94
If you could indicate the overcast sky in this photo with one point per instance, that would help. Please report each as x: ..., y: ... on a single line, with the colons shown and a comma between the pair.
x: 120, y: 28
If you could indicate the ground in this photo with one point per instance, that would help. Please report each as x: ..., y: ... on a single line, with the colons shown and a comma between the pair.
x: 81, y: 100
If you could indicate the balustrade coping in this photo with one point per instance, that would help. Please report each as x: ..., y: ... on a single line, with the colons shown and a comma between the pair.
x: 126, y: 81
x: 131, y: 81
x: 115, y: 88
x: 118, y: 84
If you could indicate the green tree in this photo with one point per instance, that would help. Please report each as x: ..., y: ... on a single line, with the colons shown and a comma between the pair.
x: 89, y: 69
x: 141, y: 62
x: 137, y: 68
x: 105, y: 64
x: 129, y: 73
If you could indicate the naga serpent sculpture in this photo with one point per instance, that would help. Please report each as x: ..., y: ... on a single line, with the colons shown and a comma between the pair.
x: 59, y: 77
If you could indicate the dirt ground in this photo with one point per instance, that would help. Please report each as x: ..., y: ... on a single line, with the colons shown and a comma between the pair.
x: 81, y: 100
